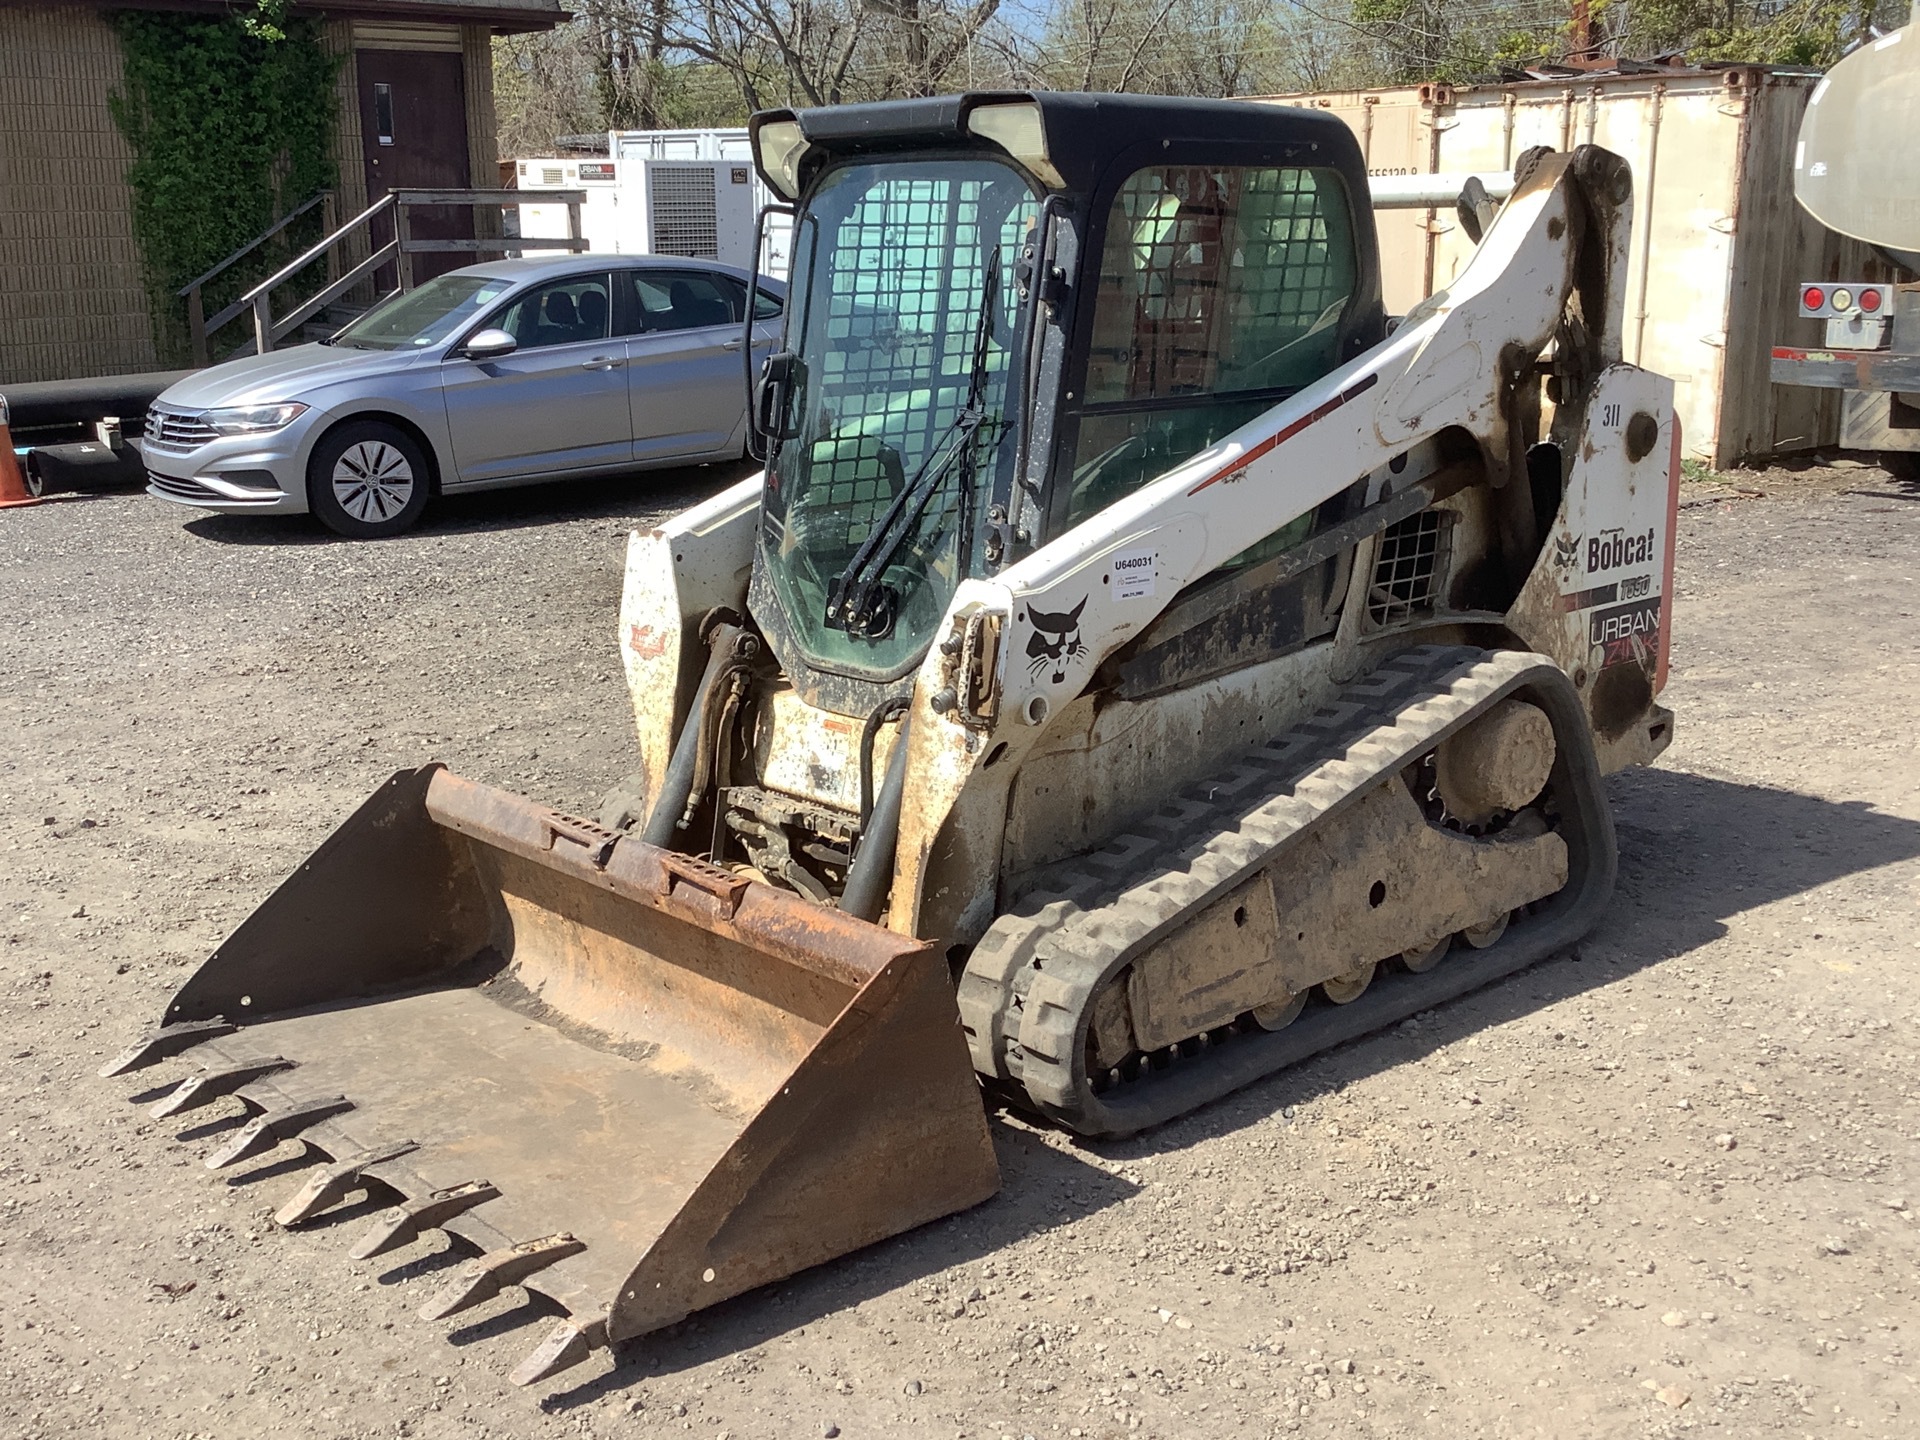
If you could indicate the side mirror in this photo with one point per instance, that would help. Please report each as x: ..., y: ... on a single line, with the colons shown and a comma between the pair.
x: 773, y: 405
x: 489, y: 345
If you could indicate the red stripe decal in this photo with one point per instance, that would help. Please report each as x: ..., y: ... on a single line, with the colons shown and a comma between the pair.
x: 1830, y: 357
x: 1287, y: 432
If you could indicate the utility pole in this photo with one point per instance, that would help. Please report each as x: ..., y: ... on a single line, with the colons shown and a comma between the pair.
x: 1588, y: 31
x: 1582, y: 27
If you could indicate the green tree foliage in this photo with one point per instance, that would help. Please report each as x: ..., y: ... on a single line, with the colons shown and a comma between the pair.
x: 230, y: 129
x: 1801, y: 32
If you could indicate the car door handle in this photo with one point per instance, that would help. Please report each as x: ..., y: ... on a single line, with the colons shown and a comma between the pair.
x: 600, y: 362
x: 731, y: 344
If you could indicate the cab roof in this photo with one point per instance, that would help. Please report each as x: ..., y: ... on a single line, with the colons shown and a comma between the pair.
x: 1084, y: 132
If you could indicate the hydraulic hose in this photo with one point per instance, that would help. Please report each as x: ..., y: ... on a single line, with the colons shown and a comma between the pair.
x: 883, y: 712
x: 663, y: 821
x: 872, y: 871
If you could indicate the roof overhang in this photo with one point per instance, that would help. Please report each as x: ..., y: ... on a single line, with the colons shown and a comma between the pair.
x: 508, y: 19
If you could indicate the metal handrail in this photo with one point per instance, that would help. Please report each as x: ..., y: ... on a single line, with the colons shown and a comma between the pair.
x: 293, y: 267
x: 318, y: 197
x: 398, y: 252
x: 287, y: 324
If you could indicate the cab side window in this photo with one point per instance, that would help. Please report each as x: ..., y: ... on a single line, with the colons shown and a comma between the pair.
x: 563, y: 312
x: 1221, y: 291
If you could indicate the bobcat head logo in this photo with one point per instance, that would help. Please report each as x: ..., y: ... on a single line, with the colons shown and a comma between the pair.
x: 1566, y: 550
x: 1054, y: 642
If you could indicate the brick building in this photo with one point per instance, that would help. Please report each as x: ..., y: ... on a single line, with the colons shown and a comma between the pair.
x: 72, y: 302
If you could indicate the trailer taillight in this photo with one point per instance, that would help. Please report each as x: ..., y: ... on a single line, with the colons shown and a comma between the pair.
x: 1813, y: 297
x: 1870, y: 301
x: 1842, y: 300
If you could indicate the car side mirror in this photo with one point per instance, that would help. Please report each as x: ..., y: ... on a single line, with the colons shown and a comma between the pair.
x: 489, y: 345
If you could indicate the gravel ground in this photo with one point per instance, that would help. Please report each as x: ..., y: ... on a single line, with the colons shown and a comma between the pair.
x: 1665, y: 1183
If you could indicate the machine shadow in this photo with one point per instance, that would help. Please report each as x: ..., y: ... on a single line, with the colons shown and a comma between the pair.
x: 653, y: 493
x: 1694, y: 850
x: 1042, y: 1188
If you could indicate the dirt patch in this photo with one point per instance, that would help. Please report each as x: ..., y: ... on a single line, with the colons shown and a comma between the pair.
x: 1665, y: 1183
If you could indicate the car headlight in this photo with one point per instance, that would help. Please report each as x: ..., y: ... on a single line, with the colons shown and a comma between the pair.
x: 253, y: 419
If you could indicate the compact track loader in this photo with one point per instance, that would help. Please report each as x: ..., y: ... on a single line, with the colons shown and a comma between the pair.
x: 1139, y: 666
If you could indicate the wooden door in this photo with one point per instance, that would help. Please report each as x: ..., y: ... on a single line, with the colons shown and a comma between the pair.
x: 413, y: 126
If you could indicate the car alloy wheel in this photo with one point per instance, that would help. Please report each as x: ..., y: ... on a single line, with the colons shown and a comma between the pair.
x: 372, y: 481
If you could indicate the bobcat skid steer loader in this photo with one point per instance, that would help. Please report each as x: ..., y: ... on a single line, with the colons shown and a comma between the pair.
x: 1138, y: 667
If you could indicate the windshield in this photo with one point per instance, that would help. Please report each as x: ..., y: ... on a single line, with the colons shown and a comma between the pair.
x: 425, y: 316
x: 903, y: 316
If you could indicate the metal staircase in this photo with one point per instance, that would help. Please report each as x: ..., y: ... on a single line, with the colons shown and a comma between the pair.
x: 328, y: 305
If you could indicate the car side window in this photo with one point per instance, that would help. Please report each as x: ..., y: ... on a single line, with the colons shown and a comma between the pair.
x: 563, y: 312
x: 683, y: 300
x: 766, y: 306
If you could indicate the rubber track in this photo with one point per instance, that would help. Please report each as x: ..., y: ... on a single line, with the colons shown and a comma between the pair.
x: 1030, y: 983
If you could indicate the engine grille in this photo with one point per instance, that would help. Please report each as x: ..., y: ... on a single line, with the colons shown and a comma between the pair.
x: 179, y: 488
x: 682, y: 210
x: 1408, y: 571
x: 176, y: 429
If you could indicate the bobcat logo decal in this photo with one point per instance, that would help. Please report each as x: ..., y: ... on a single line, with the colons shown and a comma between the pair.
x: 1566, y: 550
x: 1055, y: 641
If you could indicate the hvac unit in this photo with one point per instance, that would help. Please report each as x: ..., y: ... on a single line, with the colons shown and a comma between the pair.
x: 601, y: 219
x: 691, y: 193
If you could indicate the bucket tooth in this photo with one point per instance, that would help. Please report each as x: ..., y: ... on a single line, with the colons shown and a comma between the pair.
x: 167, y: 1040
x: 565, y: 1346
x: 212, y: 1083
x: 331, y: 1184
x: 401, y: 1224
x: 269, y: 1128
x: 480, y: 1280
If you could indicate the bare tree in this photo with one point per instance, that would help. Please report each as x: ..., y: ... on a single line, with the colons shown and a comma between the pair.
x: 655, y: 63
x: 629, y: 38
x: 829, y: 52
x: 544, y: 87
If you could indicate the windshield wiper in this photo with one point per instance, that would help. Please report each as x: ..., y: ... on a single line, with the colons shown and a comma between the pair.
x: 859, y: 603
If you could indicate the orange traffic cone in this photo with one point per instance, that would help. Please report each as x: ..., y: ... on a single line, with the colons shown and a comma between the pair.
x: 15, y: 488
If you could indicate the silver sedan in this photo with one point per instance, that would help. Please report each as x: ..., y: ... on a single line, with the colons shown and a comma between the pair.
x: 497, y: 374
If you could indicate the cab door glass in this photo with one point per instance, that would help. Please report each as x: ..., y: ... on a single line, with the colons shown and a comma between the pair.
x: 1221, y: 291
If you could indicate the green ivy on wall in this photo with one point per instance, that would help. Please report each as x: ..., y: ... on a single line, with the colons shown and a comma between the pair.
x: 230, y: 121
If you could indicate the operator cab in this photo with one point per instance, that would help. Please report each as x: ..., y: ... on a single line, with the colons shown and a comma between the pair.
x: 1010, y: 310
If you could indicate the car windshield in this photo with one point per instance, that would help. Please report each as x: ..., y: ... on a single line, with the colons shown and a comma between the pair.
x: 903, y: 314
x: 425, y: 316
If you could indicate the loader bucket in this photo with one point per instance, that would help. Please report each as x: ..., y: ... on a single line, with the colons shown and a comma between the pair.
x: 638, y: 1083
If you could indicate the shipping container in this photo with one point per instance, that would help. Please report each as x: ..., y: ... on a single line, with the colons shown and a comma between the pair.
x: 1718, y: 240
